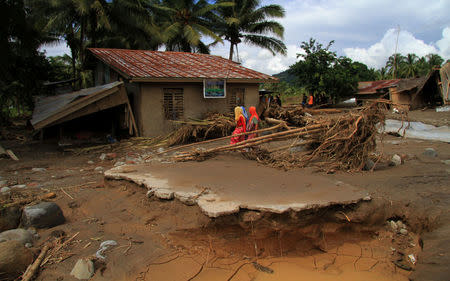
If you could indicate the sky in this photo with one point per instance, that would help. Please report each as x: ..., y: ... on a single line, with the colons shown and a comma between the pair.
x: 363, y: 30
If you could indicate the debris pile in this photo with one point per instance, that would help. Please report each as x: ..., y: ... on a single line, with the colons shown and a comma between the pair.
x: 342, y: 142
x: 214, y: 126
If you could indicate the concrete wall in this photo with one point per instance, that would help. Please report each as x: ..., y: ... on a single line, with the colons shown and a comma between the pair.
x: 148, y: 107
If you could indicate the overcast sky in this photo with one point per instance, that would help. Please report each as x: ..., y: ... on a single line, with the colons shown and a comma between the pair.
x: 364, y: 30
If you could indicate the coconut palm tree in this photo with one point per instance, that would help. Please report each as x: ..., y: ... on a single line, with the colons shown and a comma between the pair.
x: 393, y: 64
x: 247, y: 21
x: 410, y: 66
x: 186, y: 22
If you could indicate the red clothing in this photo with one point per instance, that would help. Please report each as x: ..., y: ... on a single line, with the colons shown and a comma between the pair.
x: 252, y: 122
x: 311, y: 100
x: 240, y: 128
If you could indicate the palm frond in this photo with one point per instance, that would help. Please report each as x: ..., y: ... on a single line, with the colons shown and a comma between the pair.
x: 269, y: 43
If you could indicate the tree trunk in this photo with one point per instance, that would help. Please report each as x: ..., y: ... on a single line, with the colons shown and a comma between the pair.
x: 231, y: 51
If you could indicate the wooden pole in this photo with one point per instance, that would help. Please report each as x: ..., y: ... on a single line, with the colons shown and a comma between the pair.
x: 31, y: 270
x: 219, y: 139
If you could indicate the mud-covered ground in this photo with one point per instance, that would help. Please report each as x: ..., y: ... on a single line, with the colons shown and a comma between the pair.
x: 167, y: 240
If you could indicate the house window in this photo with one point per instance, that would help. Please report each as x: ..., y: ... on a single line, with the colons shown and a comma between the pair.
x: 173, y: 103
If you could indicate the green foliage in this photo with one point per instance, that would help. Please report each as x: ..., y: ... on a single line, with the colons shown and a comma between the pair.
x: 409, y: 66
x: 22, y: 67
x: 247, y: 21
x: 324, y: 74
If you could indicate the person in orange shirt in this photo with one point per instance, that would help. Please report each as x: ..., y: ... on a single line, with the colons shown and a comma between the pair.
x: 310, y: 101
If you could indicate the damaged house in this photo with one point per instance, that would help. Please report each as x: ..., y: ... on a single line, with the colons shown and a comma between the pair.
x: 412, y: 93
x: 153, y: 87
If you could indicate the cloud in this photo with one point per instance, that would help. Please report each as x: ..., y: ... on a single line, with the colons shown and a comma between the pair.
x: 377, y: 54
x: 58, y: 49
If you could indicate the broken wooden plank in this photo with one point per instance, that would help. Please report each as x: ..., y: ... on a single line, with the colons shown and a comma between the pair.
x: 12, y: 155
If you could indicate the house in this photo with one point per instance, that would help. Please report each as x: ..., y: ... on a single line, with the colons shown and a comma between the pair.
x: 411, y: 93
x: 165, y: 86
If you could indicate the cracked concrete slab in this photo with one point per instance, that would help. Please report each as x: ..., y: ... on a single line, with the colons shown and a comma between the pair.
x: 223, y: 186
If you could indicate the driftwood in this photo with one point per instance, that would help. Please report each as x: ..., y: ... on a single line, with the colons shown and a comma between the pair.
x: 31, y: 270
x: 336, y: 142
x: 281, y: 125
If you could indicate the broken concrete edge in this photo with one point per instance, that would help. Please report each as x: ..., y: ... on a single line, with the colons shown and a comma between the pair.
x: 211, y: 203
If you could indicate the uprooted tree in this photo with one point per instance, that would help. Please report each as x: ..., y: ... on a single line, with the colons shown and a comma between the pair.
x: 325, y: 75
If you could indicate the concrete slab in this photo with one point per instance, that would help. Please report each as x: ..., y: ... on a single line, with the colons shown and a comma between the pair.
x: 224, y: 185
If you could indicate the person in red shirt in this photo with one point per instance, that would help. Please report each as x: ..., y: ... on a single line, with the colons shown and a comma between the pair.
x: 240, y: 125
x: 253, y: 122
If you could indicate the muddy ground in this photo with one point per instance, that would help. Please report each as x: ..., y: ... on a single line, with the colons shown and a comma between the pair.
x: 167, y: 240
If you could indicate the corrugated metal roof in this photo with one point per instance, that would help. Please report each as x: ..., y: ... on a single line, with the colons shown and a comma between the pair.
x: 371, y: 87
x: 157, y: 64
x: 46, y: 107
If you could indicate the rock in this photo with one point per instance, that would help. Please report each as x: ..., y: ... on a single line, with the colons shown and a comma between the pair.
x: 44, y: 214
x: 162, y: 193
x: 403, y: 231
x: 396, y: 160
x: 3, y: 183
x: 5, y: 189
x: 446, y: 162
x: 160, y: 150
x: 369, y: 165
x: 83, y: 269
x: 150, y: 193
x: 90, y: 162
x: 28, y: 245
x: 14, y: 259
x: 400, y: 224
x: 119, y: 163
x: 367, y: 198
x: 19, y: 234
x: 393, y: 225
x: 103, y: 156
x: 9, y: 217
x: 38, y: 169
x: 430, y: 152
x: 19, y: 186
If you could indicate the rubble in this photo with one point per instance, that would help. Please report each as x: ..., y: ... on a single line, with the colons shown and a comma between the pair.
x: 83, y: 269
x: 21, y: 235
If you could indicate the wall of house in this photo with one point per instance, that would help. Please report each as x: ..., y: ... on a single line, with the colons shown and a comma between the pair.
x: 150, y: 111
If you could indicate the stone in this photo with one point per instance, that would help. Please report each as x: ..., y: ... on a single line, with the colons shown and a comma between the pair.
x: 99, y: 168
x: 400, y: 224
x: 83, y: 269
x: 150, y: 193
x: 90, y: 162
x: 403, y: 231
x: 119, y: 163
x: 42, y: 215
x: 9, y: 217
x: 446, y: 162
x: 430, y: 152
x: 14, y: 259
x: 369, y: 165
x: 28, y: 245
x: 162, y: 193
x: 102, y: 156
x: 393, y: 225
x: 19, y: 186
x: 19, y: 234
x: 161, y: 150
x: 5, y: 189
x: 296, y: 149
x: 38, y: 169
x: 396, y: 160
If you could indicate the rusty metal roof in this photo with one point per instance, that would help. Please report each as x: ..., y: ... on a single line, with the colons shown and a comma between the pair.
x: 371, y: 87
x: 144, y: 64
